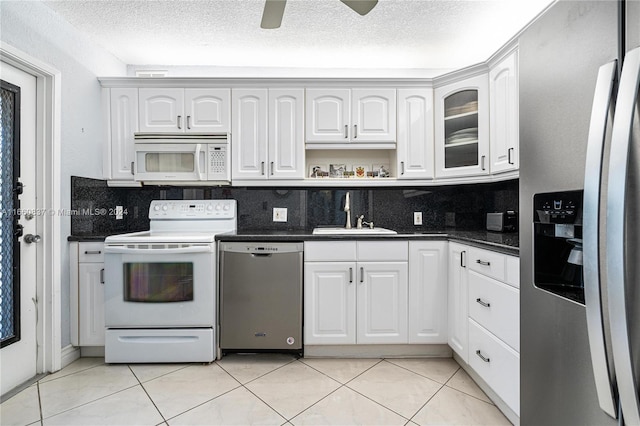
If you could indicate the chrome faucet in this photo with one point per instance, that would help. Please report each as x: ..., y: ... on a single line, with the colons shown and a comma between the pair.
x: 347, y: 209
x: 361, y: 222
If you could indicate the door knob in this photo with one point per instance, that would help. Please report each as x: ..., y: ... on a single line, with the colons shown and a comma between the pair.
x: 30, y: 238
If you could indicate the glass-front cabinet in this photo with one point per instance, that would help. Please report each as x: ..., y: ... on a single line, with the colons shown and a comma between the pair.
x: 462, y: 128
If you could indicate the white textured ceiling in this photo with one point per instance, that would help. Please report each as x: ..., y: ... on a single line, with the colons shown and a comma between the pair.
x: 396, y: 34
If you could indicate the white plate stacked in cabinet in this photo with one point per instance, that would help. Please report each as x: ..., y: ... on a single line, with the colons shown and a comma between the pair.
x: 494, y: 322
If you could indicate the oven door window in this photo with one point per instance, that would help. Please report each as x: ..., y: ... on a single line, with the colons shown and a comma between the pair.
x: 156, y: 282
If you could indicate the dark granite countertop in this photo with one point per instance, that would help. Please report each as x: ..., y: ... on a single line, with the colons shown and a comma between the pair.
x: 86, y: 238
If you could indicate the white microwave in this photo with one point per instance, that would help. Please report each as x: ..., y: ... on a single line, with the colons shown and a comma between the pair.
x: 199, y: 159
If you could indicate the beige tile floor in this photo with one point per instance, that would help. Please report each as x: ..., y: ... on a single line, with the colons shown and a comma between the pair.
x: 266, y: 389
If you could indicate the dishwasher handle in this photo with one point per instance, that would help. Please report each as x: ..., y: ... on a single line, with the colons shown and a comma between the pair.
x: 261, y: 254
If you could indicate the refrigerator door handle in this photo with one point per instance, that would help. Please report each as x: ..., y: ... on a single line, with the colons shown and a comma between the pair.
x: 601, y: 112
x: 616, y: 245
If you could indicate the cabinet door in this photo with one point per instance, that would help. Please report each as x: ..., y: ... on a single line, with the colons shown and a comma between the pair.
x: 504, y: 134
x: 462, y: 128
x: 161, y: 110
x: 249, y: 134
x: 382, y: 302
x: 415, y: 133
x: 207, y: 110
x: 286, y: 134
x: 457, y: 301
x: 327, y: 115
x: 329, y: 303
x: 91, y: 304
x: 373, y: 115
x: 123, y: 112
x: 428, y: 292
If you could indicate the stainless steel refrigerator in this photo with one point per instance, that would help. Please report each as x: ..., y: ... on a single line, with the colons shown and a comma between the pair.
x: 580, y: 214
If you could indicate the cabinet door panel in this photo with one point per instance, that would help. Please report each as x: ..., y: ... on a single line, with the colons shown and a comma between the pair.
x: 382, y: 302
x: 161, y: 110
x: 457, y: 300
x: 329, y: 303
x: 207, y: 110
x: 249, y: 134
x: 327, y: 115
x: 373, y: 115
x: 286, y: 134
x: 91, y: 301
x: 428, y: 292
x: 124, y: 123
x: 503, y: 84
x: 415, y: 133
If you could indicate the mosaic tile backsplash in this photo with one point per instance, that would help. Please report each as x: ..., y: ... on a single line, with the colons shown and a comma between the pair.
x: 462, y: 207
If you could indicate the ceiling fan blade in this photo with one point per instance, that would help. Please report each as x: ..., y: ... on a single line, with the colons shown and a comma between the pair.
x: 272, y: 14
x: 361, y: 6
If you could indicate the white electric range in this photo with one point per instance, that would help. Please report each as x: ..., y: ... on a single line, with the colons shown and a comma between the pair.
x: 161, y: 287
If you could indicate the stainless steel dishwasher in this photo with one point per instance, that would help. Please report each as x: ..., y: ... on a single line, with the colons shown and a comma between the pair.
x: 260, y: 296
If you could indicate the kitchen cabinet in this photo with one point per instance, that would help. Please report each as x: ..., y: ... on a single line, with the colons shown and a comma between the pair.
x: 267, y: 140
x: 87, y: 293
x: 428, y: 292
x: 350, y: 116
x: 503, y: 113
x: 177, y: 110
x: 457, y: 309
x: 462, y: 128
x: 356, y: 292
x: 415, y: 145
x: 122, y: 124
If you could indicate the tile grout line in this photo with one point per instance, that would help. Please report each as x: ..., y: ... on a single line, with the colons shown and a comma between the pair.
x: 472, y: 396
x: 422, y: 375
x: 40, y: 403
x: 147, y: 393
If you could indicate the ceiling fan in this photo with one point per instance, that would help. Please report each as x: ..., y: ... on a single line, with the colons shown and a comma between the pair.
x: 274, y: 9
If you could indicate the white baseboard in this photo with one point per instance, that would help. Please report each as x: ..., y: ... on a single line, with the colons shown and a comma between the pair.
x: 69, y: 354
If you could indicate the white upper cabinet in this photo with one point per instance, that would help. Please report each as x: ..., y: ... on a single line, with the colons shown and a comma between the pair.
x: 176, y: 110
x: 123, y: 123
x: 267, y: 134
x: 462, y: 128
x: 286, y: 134
x: 350, y: 115
x: 415, y: 134
x: 503, y: 87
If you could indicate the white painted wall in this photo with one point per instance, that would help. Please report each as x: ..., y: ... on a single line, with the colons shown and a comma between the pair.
x: 39, y: 32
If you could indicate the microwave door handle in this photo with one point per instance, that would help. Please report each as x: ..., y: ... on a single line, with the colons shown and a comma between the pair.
x: 617, y: 246
x: 162, y: 251
x: 601, y: 112
x: 197, y: 160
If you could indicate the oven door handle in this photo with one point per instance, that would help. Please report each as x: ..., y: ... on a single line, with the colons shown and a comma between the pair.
x: 180, y: 250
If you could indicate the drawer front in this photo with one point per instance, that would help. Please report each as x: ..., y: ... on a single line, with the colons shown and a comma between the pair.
x: 495, y: 306
x: 513, y: 271
x: 91, y: 252
x: 383, y: 251
x: 496, y: 363
x: 486, y: 262
x: 330, y: 251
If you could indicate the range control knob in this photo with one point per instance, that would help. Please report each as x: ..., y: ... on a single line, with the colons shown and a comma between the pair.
x: 226, y: 207
x: 165, y: 207
x: 218, y: 207
x: 156, y: 207
x: 209, y: 207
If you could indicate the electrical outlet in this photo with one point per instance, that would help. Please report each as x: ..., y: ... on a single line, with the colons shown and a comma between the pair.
x: 279, y: 214
x: 417, y: 218
x: 119, y: 212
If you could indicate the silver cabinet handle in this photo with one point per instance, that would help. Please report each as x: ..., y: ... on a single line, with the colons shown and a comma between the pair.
x: 346, y: 131
x: 601, y: 110
x: 361, y: 274
x: 509, y: 151
x: 179, y: 122
x: 483, y: 303
x: 271, y: 168
x: 355, y: 131
x: 617, y: 250
x: 92, y: 251
x: 483, y: 262
x: 262, y: 168
x: 482, y: 357
x: 102, y: 276
x: 132, y: 167
x: 350, y: 275
x: 188, y: 122
x: 463, y: 264
x: 402, y: 167
x: 482, y: 162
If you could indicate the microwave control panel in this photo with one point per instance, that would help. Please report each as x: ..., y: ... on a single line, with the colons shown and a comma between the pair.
x: 218, y: 167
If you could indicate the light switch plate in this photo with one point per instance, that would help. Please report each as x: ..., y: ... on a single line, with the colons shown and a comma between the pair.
x: 417, y: 218
x: 279, y: 214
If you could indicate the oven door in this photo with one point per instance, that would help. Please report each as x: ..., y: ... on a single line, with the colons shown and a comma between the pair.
x: 160, y: 285
x: 170, y: 162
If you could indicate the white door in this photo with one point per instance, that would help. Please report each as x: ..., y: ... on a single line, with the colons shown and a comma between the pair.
x: 329, y: 303
x: 207, y: 110
x: 457, y: 302
x: 161, y: 110
x: 373, y: 115
x: 327, y: 115
x: 286, y: 134
x: 415, y: 133
x: 18, y: 333
x: 504, y: 130
x: 382, y: 302
x: 249, y: 133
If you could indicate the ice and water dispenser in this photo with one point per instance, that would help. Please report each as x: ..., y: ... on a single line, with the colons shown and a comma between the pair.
x: 557, y: 241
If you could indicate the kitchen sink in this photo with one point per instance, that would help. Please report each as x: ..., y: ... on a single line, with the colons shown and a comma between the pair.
x: 353, y: 231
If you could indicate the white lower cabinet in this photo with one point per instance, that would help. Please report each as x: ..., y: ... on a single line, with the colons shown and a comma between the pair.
x: 355, y: 292
x: 87, y: 294
x: 457, y: 304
